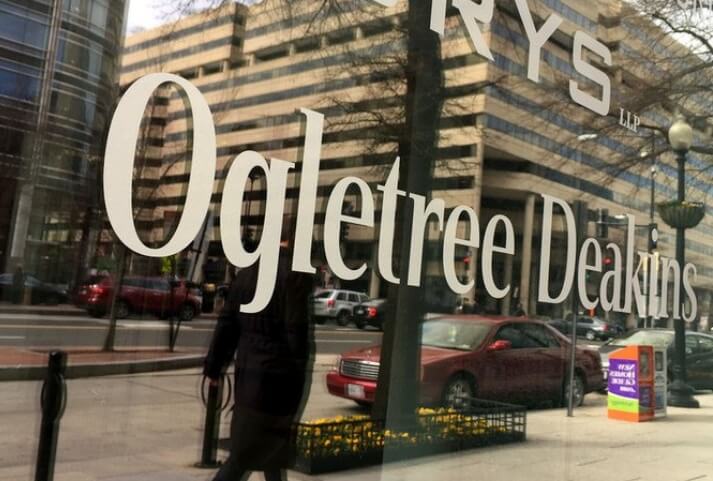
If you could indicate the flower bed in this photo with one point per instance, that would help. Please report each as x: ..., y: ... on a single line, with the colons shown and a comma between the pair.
x: 341, y: 443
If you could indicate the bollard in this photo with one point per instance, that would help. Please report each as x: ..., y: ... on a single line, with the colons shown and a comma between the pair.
x: 211, y: 432
x: 53, y: 401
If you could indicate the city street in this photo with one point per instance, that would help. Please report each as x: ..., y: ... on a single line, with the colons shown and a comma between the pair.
x: 30, y: 330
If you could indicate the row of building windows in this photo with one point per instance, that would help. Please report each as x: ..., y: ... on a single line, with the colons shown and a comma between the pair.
x: 501, y: 61
x: 85, y: 59
x: 566, y: 152
x: 375, y: 51
x: 177, y: 34
x: 95, y: 14
x: 194, y: 49
x: 22, y: 26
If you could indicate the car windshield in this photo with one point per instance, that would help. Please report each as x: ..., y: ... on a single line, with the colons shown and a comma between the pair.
x: 453, y: 334
x: 645, y: 338
x: 323, y: 295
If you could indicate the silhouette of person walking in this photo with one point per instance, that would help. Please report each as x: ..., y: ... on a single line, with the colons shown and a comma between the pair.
x: 271, y: 367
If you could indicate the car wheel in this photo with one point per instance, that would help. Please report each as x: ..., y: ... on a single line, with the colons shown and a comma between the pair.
x: 122, y: 309
x: 319, y: 320
x: 590, y: 335
x: 360, y: 324
x: 96, y: 313
x: 458, y: 392
x: 578, y: 391
x: 186, y: 313
x: 343, y: 318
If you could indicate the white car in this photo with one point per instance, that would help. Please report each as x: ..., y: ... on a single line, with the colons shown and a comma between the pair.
x: 336, y: 304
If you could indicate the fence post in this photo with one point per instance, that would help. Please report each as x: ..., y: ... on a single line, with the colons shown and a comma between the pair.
x: 53, y: 401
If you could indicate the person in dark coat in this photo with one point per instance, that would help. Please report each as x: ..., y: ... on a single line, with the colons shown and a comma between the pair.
x: 271, y: 368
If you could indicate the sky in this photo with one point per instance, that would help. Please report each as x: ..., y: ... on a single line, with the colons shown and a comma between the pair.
x: 145, y: 14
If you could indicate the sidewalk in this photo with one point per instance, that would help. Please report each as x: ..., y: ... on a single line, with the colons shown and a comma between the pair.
x: 149, y: 428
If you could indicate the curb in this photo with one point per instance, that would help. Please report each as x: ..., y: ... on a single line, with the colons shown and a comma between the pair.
x: 72, y: 311
x: 79, y: 371
x: 42, y: 312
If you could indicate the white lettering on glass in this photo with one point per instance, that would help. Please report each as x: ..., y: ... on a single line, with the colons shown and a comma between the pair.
x: 689, y: 270
x: 582, y: 97
x: 421, y: 213
x: 268, y: 250
x: 489, y: 248
x: 333, y: 222
x: 544, y: 284
x: 451, y: 239
x: 537, y: 38
x: 118, y: 176
x: 388, y: 220
x: 302, y: 259
x: 119, y: 165
x: 584, y: 267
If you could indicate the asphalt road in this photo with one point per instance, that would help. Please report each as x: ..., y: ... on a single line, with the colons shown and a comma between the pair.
x: 21, y: 330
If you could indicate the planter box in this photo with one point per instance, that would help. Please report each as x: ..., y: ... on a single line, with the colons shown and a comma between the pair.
x: 360, y: 441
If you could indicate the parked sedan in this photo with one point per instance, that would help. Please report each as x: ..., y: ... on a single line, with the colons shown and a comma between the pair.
x: 40, y: 292
x: 370, y: 313
x: 155, y: 295
x: 505, y: 359
x: 699, y: 352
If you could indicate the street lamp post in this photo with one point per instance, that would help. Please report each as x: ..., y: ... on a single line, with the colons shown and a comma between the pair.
x: 680, y: 136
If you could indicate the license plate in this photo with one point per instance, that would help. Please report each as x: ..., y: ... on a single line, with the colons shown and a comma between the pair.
x: 355, y: 390
x: 359, y: 311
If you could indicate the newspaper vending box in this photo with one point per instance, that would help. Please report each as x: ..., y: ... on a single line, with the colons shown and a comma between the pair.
x: 631, y: 384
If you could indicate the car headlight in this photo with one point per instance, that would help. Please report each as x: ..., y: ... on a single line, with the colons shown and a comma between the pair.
x: 337, y: 364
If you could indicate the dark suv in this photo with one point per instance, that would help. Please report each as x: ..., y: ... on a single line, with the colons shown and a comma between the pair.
x: 156, y: 295
x: 591, y: 328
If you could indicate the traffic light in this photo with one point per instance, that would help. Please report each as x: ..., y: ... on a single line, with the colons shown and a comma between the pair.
x: 608, y: 263
x: 602, y: 226
x: 653, y: 236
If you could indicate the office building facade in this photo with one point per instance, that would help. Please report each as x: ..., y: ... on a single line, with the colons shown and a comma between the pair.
x: 59, y: 62
x: 504, y: 139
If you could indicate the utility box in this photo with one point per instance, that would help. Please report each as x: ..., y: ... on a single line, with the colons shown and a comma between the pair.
x: 660, y: 382
x: 631, y: 384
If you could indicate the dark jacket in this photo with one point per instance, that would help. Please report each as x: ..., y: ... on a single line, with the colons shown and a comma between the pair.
x: 273, y: 350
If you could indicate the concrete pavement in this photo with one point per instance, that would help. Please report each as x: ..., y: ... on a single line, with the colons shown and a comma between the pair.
x: 148, y: 428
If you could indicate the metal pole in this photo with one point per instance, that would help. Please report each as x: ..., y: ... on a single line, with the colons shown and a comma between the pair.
x: 53, y: 403
x: 580, y: 221
x: 652, y: 221
x: 681, y: 392
x: 211, y: 431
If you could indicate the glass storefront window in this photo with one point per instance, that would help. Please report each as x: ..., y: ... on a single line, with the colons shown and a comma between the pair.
x: 379, y: 239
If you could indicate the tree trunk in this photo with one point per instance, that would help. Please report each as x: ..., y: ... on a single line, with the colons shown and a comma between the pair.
x: 401, y: 353
x: 110, y: 339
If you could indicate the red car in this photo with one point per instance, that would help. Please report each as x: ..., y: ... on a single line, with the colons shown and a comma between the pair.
x: 155, y: 295
x: 505, y: 359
